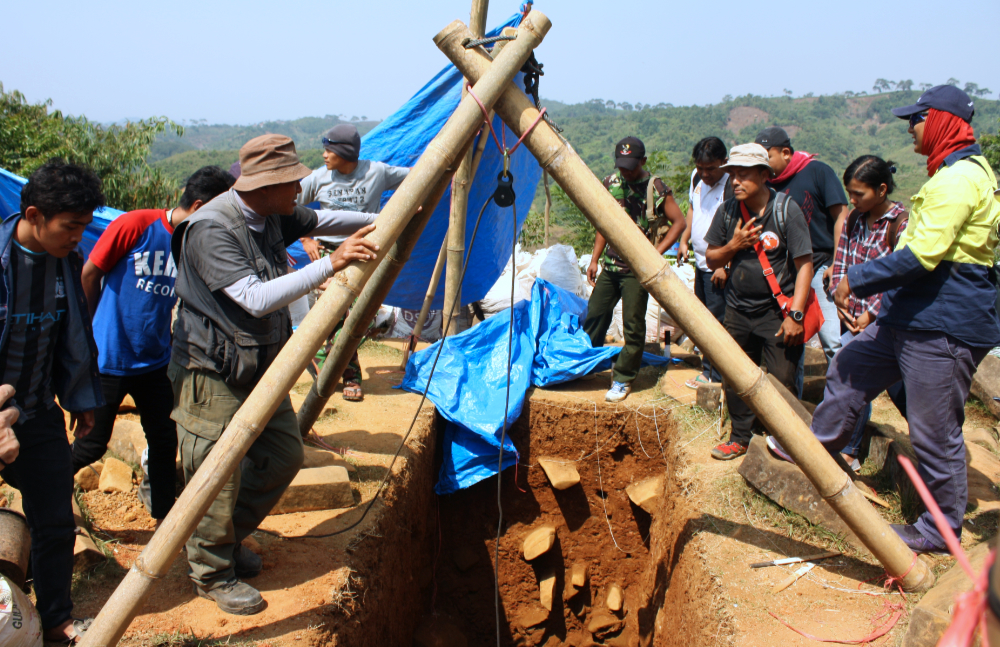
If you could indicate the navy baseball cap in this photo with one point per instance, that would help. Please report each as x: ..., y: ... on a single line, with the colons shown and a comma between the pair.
x: 629, y: 152
x: 941, y: 97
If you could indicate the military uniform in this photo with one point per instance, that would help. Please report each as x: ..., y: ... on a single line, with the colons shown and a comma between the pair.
x: 617, y: 282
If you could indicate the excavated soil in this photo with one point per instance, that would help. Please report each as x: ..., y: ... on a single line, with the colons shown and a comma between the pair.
x: 664, y: 580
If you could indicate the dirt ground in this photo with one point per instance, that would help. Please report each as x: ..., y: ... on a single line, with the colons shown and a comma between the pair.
x: 315, y: 588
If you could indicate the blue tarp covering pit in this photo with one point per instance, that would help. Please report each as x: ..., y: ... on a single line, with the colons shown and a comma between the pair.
x: 469, y: 386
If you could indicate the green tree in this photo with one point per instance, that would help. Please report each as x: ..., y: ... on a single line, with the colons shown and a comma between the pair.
x: 30, y: 135
x: 991, y: 150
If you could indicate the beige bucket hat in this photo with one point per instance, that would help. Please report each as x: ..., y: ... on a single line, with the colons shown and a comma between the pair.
x: 748, y: 155
x: 267, y: 160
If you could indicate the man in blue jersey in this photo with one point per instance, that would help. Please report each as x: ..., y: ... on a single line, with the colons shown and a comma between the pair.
x: 132, y: 314
x: 47, y: 350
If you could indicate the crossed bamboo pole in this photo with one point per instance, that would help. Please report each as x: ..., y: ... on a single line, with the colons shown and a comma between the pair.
x: 560, y: 161
x: 127, y: 600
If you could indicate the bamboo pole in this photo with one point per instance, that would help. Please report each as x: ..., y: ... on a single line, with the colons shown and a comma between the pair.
x: 548, y: 206
x: 460, y: 204
x: 367, y: 305
x: 425, y: 308
x: 279, y: 378
x: 559, y: 159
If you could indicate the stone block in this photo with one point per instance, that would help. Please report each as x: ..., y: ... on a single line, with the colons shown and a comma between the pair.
x: 797, y: 405
x: 646, y: 493
x: 532, y: 617
x: 813, y: 387
x: 317, y: 488
x: 127, y: 405
x: 89, y: 477
x: 602, y: 623
x: 786, y: 485
x: 86, y: 554
x: 546, y: 590
x: 539, y: 542
x: 984, y: 471
x: 127, y: 441
x: 986, y: 383
x: 324, y: 458
x: 78, y: 514
x: 562, y: 474
x: 815, y: 362
x: 710, y: 396
x: 932, y: 615
x: 983, y: 437
x: 615, y: 598
x: 116, y: 476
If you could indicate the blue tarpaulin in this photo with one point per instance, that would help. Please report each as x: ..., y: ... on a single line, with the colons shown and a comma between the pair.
x: 469, y: 386
x: 400, y: 140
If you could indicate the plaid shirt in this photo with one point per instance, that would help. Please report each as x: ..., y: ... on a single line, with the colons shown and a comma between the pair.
x: 860, y: 245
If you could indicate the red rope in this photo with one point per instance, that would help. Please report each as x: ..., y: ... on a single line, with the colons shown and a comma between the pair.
x: 486, y: 118
x: 875, y: 635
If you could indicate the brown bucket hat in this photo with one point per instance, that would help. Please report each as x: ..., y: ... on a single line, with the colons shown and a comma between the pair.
x: 267, y: 160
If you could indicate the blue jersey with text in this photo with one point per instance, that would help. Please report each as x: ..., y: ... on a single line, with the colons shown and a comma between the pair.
x: 132, y: 322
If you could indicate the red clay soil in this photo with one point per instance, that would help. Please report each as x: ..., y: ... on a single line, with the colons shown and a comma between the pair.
x: 595, y: 523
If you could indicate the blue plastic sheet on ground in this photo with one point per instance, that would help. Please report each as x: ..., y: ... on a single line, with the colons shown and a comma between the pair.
x: 469, y: 386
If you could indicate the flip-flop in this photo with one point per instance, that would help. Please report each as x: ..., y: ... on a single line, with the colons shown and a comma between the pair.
x: 696, y: 381
x: 79, y: 627
x: 357, y: 395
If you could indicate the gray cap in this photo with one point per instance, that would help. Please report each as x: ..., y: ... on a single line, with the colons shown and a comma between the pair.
x: 344, y: 141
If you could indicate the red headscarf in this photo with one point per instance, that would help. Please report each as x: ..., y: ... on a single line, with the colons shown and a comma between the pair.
x: 944, y: 133
x: 798, y: 162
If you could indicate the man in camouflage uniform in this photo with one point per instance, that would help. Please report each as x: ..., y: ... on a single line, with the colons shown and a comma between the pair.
x: 630, y: 186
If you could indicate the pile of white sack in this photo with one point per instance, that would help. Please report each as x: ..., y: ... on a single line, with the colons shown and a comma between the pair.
x: 20, y: 625
x: 558, y: 265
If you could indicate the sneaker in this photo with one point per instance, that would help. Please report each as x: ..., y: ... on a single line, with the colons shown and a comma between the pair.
x: 915, y: 540
x: 729, y: 451
x: 246, y: 563
x: 778, y: 450
x: 695, y: 382
x: 618, y: 391
x: 145, y: 492
x: 234, y: 597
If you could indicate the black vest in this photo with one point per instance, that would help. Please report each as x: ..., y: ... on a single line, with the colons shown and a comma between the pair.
x: 212, y: 332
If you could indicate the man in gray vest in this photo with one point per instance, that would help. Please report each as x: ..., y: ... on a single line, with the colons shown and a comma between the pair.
x: 234, y: 289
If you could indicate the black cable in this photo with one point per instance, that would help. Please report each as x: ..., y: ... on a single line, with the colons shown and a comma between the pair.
x: 470, y: 43
x: 503, y: 432
x: 423, y: 398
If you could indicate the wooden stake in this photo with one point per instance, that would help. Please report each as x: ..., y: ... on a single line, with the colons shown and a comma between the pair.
x: 280, y: 377
x: 586, y: 191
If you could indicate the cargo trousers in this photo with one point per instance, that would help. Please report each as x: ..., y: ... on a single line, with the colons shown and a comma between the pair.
x: 204, y: 405
x: 610, y: 288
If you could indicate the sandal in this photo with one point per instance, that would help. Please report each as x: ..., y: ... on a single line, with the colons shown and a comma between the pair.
x: 353, y: 392
x: 78, y: 627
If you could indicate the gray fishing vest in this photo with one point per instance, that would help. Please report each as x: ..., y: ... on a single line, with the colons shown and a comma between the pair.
x: 212, y: 332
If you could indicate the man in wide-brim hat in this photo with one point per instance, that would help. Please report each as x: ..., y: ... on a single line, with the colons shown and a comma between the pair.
x: 234, y: 286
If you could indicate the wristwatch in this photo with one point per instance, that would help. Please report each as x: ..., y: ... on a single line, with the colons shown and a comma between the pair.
x: 797, y: 315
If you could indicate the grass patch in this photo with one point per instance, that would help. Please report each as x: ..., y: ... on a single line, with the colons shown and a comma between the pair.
x: 178, y: 639
x: 372, y: 348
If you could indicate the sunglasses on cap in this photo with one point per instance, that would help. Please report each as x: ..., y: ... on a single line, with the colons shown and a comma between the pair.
x: 328, y: 142
x: 917, y: 118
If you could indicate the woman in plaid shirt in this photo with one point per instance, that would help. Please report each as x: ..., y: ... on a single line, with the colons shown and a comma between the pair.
x: 871, y: 231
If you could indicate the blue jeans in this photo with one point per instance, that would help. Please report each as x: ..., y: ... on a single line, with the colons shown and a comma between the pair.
x: 829, y: 334
x: 715, y: 300
x: 937, y: 371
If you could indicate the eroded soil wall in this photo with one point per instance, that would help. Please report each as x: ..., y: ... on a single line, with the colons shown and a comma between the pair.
x: 667, y: 589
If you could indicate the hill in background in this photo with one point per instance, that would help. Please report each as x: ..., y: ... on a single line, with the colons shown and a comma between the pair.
x: 836, y: 128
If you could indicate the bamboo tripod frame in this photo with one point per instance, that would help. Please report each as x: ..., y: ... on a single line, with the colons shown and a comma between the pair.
x: 127, y: 600
x: 559, y: 160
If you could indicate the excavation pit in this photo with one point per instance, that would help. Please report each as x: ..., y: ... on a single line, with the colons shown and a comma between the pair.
x: 646, y: 556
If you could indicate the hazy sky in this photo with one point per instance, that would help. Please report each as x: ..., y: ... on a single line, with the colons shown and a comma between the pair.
x: 249, y: 61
